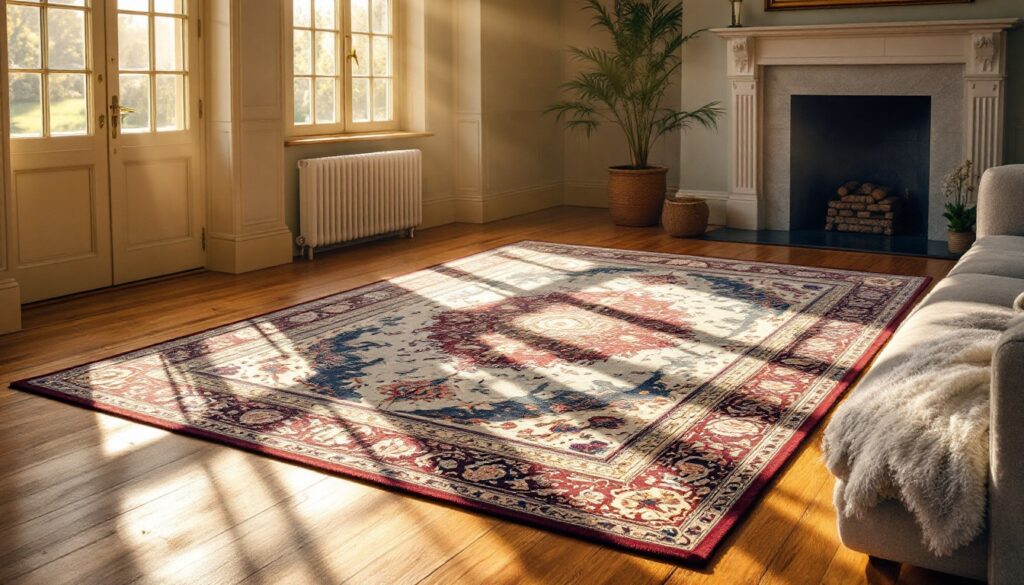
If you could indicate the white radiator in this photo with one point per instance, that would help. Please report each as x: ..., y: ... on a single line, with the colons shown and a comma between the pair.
x: 345, y: 198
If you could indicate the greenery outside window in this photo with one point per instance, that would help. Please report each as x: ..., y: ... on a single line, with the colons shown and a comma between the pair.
x: 340, y: 57
x: 49, y: 67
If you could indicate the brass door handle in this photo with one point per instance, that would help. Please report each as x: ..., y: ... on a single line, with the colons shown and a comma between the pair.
x: 115, y: 116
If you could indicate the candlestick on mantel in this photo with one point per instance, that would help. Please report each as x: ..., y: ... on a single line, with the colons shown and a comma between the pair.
x: 737, y: 13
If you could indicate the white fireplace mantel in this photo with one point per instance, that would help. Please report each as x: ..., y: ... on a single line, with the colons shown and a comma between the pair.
x: 979, y: 45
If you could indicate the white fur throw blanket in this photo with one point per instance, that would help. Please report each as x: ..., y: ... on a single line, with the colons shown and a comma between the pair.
x: 920, y: 433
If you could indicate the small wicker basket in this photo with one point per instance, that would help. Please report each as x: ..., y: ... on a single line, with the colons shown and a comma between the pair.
x: 685, y: 217
x: 960, y: 242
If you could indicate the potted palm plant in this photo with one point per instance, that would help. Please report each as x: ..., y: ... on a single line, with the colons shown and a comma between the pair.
x: 961, y: 211
x: 625, y: 86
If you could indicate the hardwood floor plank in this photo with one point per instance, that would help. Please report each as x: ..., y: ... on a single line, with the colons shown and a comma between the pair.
x: 87, y: 498
x: 188, y: 502
x: 808, y: 551
x: 849, y: 567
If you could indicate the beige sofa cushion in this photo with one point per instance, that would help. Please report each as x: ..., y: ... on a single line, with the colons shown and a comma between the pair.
x: 995, y: 255
x: 980, y: 290
x: 889, y: 531
x: 955, y: 296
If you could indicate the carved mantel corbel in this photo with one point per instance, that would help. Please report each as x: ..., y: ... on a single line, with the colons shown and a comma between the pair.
x: 742, y: 51
x: 988, y: 55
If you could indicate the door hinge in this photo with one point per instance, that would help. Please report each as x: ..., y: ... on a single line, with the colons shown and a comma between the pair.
x: 201, y: 109
x: 204, y: 239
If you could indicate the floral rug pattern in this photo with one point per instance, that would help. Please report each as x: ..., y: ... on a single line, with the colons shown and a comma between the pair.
x: 634, y: 398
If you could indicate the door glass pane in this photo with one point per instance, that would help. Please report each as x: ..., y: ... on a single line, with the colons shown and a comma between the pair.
x: 303, y: 101
x: 361, y: 100
x: 68, y: 2
x: 69, y: 112
x: 135, y: 103
x: 381, y: 100
x: 301, y: 13
x: 326, y: 53
x: 26, y: 105
x: 133, y: 42
x: 137, y: 5
x: 325, y: 14
x: 23, y: 37
x: 65, y: 39
x: 381, y: 56
x: 381, y: 17
x: 169, y: 6
x: 169, y: 38
x: 326, y: 101
x: 360, y: 16
x: 170, y: 103
x: 303, y: 52
x: 361, y: 47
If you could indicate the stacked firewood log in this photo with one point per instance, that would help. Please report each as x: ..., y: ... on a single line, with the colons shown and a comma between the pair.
x: 864, y: 208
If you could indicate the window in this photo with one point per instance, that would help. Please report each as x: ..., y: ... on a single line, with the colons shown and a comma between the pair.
x: 49, y: 67
x: 343, y: 66
x: 152, y: 65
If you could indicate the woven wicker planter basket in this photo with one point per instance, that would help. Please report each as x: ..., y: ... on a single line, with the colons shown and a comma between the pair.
x: 635, y: 196
x: 685, y: 217
x: 960, y: 242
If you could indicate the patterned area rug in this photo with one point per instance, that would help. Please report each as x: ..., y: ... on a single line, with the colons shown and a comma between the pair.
x: 633, y: 398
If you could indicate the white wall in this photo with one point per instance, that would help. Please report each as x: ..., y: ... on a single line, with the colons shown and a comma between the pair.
x: 521, y: 72
x: 587, y: 160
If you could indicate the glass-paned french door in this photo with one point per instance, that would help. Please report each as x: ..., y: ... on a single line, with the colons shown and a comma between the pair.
x: 105, y: 142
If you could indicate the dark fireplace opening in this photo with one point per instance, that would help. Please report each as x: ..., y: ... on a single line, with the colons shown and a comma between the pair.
x: 879, y: 142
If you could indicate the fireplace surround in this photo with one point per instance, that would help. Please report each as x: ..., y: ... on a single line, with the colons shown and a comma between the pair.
x: 959, y: 65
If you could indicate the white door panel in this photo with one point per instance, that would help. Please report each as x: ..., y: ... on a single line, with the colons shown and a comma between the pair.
x: 156, y: 184
x: 61, y: 203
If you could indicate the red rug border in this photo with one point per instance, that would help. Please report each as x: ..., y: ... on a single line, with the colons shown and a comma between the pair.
x: 699, y: 556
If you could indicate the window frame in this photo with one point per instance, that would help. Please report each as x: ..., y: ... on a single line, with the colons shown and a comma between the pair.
x: 345, y: 124
x: 44, y: 71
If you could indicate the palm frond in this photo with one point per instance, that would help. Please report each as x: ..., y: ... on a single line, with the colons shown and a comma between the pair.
x: 627, y: 85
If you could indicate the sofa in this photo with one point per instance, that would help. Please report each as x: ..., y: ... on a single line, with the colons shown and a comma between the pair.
x: 990, y: 274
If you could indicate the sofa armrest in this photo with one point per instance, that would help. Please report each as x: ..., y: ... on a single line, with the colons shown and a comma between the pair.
x: 1001, y: 202
x: 1006, y: 482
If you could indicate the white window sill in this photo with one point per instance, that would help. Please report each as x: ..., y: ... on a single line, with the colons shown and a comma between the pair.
x: 354, y: 137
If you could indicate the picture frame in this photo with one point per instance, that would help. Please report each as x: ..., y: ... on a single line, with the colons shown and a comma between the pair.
x: 774, y: 5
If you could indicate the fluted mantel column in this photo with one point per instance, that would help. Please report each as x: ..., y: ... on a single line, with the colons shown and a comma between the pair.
x: 745, y: 135
x: 986, y: 100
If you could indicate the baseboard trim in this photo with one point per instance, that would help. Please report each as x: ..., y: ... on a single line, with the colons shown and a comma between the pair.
x: 499, y: 206
x: 593, y: 193
x: 718, y: 202
x: 438, y: 212
x: 237, y: 254
x: 10, y: 306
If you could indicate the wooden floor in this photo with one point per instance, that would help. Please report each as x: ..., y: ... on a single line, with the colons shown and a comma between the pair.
x: 89, y: 498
